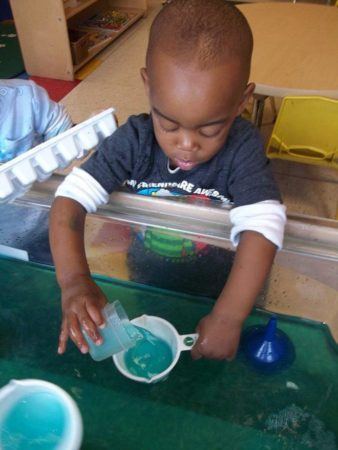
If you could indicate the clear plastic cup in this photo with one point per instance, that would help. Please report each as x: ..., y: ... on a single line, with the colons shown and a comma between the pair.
x: 118, y: 334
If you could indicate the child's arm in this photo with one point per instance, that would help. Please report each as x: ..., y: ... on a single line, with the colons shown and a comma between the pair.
x: 82, y: 300
x: 51, y: 118
x: 84, y: 190
x: 219, y: 332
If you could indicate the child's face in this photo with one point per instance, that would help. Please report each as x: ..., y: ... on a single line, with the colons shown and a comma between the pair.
x: 194, y: 109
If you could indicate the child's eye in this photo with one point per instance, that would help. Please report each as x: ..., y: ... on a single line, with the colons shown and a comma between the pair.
x: 211, y: 130
x: 167, y: 126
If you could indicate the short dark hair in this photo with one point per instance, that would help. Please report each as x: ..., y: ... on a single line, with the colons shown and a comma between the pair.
x: 201, y: 32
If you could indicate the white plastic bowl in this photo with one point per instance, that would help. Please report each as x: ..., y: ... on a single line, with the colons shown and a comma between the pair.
x: 37, y: 413
x: 166, y: 331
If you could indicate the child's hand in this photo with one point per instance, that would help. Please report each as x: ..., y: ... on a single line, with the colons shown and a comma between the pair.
x: 218, y: 337
x: 82, y: 301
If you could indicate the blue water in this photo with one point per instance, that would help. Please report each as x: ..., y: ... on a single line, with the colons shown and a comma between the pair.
x: 36, y: 422
x: 150, y: 356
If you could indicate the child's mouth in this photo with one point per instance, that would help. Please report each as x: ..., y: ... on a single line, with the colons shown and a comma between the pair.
x: 185, y: 165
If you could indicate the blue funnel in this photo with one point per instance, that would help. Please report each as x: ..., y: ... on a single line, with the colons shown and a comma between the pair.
x: 267, y: 348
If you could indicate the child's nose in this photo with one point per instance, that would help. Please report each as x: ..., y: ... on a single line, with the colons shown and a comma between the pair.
x: 187, y: 141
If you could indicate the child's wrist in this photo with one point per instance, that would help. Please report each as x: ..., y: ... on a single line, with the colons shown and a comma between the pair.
x: 228, y: 313
x: 70, y: 280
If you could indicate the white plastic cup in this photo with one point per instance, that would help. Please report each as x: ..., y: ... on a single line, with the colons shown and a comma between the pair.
x: 166, y: 331
x: 32, y: 410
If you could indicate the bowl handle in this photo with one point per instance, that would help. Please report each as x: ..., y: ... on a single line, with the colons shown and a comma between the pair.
x: 187, y: 341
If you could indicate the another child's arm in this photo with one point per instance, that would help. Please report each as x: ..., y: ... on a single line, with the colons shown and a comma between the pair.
x: 51, y: 118
x: 82, y: 299
x: 219, y: 331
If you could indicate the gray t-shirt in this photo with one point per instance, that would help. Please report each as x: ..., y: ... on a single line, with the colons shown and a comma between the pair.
x: 238, y: 174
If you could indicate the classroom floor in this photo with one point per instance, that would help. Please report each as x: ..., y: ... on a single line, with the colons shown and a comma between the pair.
x: 306, y: 189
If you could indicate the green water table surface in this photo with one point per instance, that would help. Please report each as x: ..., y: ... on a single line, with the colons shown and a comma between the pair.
x: 207, y: 405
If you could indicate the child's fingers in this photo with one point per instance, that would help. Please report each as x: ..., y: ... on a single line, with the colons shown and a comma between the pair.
x: 90, y: 328
x: 201, y: 349
x: 76, y: 335
x: 195, y: 354
x: 95, y: 313
x: 196, y: 351
x: 231, y: 357
x: 63, y: 338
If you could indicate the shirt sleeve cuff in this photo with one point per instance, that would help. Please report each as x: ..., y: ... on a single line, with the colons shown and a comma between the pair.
x: 267, y: 217
x: 80, y: 186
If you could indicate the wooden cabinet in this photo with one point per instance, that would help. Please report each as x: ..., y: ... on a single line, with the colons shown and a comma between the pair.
x: 42, y: 27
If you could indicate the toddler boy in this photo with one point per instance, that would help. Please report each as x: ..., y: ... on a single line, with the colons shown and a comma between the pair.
x: 193, y: 143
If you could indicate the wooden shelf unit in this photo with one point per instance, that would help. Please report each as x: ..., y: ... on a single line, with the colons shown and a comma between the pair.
x: 42, y: 27
x: 82, y: 4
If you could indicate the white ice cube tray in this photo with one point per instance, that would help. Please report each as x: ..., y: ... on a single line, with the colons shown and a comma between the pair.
x: 38, y: 164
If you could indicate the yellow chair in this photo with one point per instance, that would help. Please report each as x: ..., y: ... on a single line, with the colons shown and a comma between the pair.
x: 306, y: 131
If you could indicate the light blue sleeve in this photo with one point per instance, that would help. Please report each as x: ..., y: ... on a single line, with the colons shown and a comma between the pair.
x: 50, y: 118
x: 27, y: 117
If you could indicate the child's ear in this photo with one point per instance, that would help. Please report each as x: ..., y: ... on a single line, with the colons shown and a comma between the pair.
x: 145, y: 79
x: 246, y: 97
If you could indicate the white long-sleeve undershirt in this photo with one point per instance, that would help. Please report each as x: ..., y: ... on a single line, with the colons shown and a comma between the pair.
x: 267, y: 217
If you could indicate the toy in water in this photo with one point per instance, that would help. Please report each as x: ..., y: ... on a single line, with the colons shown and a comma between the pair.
x: 161, y: 340
x: 267, y: 348
x: 38, y: 415
x: 118, y: 334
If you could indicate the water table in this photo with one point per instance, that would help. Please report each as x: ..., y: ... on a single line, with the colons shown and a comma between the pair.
x: 202, y: 405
